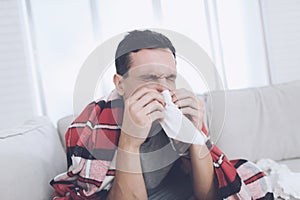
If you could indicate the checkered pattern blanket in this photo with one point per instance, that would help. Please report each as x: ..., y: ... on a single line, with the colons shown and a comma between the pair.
x: 91, y: 144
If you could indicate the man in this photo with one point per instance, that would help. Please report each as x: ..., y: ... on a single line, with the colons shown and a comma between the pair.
x: 146, y: 66
x: 141, y: 77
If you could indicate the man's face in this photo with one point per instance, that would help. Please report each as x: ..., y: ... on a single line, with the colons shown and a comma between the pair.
x: 152, y: 68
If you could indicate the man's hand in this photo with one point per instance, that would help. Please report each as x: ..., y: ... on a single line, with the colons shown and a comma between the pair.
x: 202, y: 169
x: 190, y: 105
x: 142, y: 108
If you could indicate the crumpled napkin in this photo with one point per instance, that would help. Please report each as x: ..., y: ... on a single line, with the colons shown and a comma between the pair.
x: 179, y: 127
x: 285, y: 183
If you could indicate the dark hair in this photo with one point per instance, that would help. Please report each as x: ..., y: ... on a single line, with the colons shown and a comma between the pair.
x: 135, y: 41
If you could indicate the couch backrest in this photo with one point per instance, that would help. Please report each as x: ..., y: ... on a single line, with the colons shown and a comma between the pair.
x: 258, y: 122
x: 250, y: 123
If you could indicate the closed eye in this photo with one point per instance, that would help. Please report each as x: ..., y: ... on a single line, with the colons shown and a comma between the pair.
x: 171, y: 77
x: 150, y: 77
x: 154, y: 78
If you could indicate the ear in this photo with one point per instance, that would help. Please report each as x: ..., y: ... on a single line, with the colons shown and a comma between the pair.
x: 118, y: 81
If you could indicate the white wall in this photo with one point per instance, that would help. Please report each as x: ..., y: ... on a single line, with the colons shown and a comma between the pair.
x: 64, y: 37
x: 282, y: 30
x: 67, y: 31
x: 18, y: 100
x: 253, y: 43
x: 238, y: 43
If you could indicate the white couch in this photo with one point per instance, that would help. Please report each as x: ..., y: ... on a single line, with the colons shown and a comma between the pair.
x: 259, y: 123
x: 30, y: 155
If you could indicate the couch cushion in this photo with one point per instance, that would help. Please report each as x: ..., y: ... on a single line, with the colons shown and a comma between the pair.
x: 259, y: 122
x: 31, y: 155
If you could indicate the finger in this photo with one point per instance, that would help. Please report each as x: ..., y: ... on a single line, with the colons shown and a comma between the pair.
x: 189, y: 111
x: 194, y: 101
x: 195, y: 117
x: 181, y: 94
x: 137, y: 94
x: 188, y: 102
x: 148, y: 98
x: 152, y: 107
x: 156, y: 115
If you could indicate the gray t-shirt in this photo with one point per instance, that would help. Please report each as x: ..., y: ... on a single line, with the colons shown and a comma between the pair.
x: 158, y: 154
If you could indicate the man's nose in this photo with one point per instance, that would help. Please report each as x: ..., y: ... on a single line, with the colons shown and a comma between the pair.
x: 160, y: 86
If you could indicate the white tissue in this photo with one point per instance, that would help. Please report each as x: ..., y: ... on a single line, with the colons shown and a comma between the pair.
x: 285, y: 183
x: 177, y: 126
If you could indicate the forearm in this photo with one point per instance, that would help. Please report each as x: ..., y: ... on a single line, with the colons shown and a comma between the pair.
x: 129, y: 181
x: 202, y: 172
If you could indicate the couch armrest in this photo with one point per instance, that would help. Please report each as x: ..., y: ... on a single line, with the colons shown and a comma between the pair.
x: 62, y: 126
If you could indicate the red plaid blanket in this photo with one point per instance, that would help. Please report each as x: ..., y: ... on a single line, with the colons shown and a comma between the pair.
x: 91, y: 143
